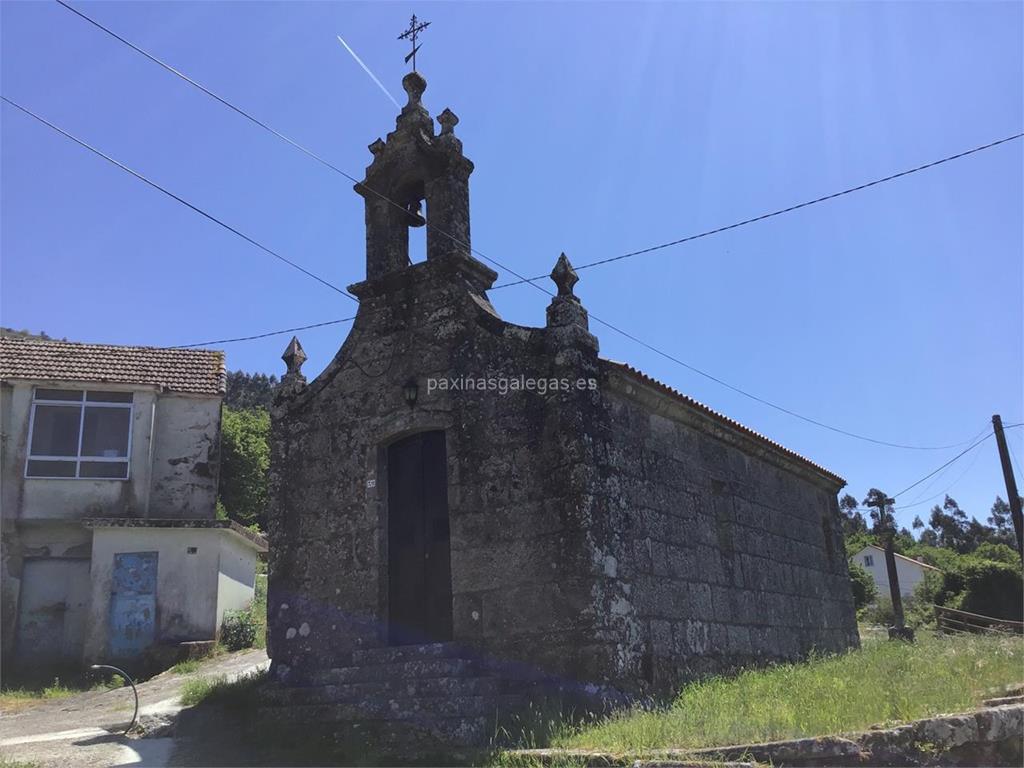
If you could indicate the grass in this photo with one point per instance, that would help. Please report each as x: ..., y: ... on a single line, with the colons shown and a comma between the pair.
x: 14, y: 699
x: 6, y: 762
x: 259, y: 610
x: 220, y: 690
x: 884, y: 682
x: 186, y: 667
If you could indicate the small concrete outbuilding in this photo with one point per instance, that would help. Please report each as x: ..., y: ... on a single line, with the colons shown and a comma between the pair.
x: 109, y: 544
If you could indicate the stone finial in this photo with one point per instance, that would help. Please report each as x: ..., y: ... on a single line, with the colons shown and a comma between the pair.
x: 448, y: 121
x: 564, y: 276
x: 377, y: 147
x: 294, y: 356
x: 414, y: 85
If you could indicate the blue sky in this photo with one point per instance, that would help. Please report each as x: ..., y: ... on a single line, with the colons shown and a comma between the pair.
x: 596, y: 129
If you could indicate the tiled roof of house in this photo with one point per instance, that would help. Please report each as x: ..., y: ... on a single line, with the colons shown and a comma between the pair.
x: 721, y: 418
x: 194, y: 371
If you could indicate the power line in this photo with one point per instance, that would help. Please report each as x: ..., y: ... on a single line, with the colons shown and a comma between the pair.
x: 606, y: 324
x: 781, y: 211
x: 256, y: 121
x: 531, y: 281
x: 457, y: 241
x: 948, y: 488
x: 939, y: 477
x: 935, y: 471
x: 177, y: 198
x: 264, y: 335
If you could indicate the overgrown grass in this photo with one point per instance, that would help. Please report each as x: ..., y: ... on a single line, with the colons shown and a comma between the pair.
x: 12, y: 699
x: 7, y: 762
x: 238, y: 693
x: 883, y: 682
x: 186, y: 667
x: 259, y: 610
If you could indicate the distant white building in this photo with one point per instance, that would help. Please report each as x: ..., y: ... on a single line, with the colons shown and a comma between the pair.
x: 909, y: 571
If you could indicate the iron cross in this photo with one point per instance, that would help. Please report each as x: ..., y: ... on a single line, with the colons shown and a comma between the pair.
x: 415, y: 27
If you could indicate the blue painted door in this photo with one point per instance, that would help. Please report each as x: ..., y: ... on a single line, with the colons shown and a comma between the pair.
x: 133, y: 603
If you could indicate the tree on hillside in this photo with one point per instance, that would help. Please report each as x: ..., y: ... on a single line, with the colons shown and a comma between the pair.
x: 949, y: 523
x: 12, y: 333
x: 1001, y: 522
x: 950, y: 527
x: 852, y: 519
x: 245, y: 459
x: 882, y: 517
x: 249, y: 390
x: 928, y: 537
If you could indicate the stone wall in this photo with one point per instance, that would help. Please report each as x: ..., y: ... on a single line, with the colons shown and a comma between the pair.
x: 523, y: 574
x: 609, y: 535
x: 733, y: 549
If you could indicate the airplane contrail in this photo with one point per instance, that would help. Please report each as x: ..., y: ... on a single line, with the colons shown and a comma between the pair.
x: 366, y: 69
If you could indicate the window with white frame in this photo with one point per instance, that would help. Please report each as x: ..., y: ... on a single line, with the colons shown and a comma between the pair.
x: 869, y: 560
x: 80, y: 434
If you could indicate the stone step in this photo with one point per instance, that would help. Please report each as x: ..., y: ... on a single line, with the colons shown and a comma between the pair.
x: 400, y: 653
x: 415, y: 687
x: 400, y: 671
x: 419, y: 711
x: 412, y: 739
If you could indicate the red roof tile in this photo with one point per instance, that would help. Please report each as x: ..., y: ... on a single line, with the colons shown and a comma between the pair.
x: 195, y: 371
x: 721, y: 418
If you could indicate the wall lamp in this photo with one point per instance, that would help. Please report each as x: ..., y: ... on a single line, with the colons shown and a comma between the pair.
x: 411, y: 391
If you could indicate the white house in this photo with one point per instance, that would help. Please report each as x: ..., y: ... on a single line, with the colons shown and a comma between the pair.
x: 109, y: 463
x: 910, y: 572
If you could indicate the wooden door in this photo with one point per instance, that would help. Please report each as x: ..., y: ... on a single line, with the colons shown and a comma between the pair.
x: 419, y: 548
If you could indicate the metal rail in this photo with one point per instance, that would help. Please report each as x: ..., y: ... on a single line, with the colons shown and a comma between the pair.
x: 126, y: 676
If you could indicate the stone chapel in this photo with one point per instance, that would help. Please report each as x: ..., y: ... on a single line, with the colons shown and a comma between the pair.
x: 443, y: 544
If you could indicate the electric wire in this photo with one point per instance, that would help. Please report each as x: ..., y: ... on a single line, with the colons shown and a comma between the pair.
x: 264, y: 335
x: 547, y: 292
x: 939, y: 469
x: 948, y: 488
x: 781, y: 211
x: 318, y: 158
x: 531, y: 281
x: 939, y: 477
x: 178, y: 198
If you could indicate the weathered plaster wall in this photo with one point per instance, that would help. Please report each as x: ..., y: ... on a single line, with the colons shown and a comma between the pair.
x: 68, y: 498
x: 236, y: 576
x: 186, y: 591
x: 173, y: 473
x: 56, y: 548
x: 186, y: 457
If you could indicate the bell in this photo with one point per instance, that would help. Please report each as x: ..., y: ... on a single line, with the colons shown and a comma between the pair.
x: 415, y: 217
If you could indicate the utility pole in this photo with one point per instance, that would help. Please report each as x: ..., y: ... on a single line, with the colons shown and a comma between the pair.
x: 1011, y: 484
x: 887, y: 527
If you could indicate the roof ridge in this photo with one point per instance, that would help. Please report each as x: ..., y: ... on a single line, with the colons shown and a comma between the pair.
x: 194, y: 371
x: 26, y: 340
x: 721, y: 417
